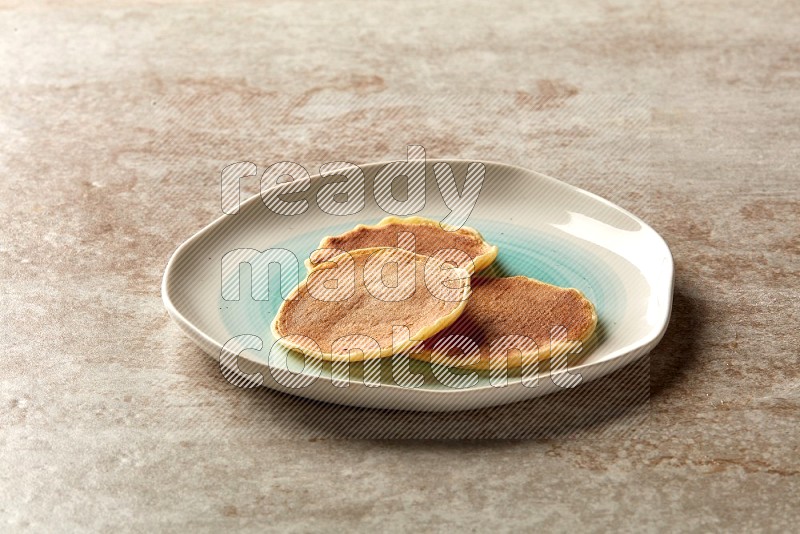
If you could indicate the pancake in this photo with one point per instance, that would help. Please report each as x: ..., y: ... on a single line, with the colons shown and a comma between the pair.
x: 354, y: 300
x: 429, y: 238
x: 514, y: 306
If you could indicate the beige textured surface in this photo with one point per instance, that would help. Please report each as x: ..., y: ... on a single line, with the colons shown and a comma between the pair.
x: 115, y: 123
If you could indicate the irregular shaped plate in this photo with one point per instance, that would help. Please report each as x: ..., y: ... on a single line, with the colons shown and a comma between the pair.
x: 544, y: 228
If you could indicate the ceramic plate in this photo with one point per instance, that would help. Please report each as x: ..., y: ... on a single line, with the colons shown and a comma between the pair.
x: 544, y: 228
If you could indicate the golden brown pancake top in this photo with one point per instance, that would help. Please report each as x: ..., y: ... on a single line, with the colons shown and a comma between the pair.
x: 523, y: 306
x: 422, y: 294
x: 429, y: 238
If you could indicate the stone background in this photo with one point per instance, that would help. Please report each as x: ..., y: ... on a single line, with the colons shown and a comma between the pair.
x: 115, y: 119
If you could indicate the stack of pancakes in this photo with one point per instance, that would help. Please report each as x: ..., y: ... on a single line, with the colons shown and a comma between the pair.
x: 410, y: 286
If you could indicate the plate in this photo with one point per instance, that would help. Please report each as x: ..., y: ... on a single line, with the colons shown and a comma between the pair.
x: 544, y: 228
